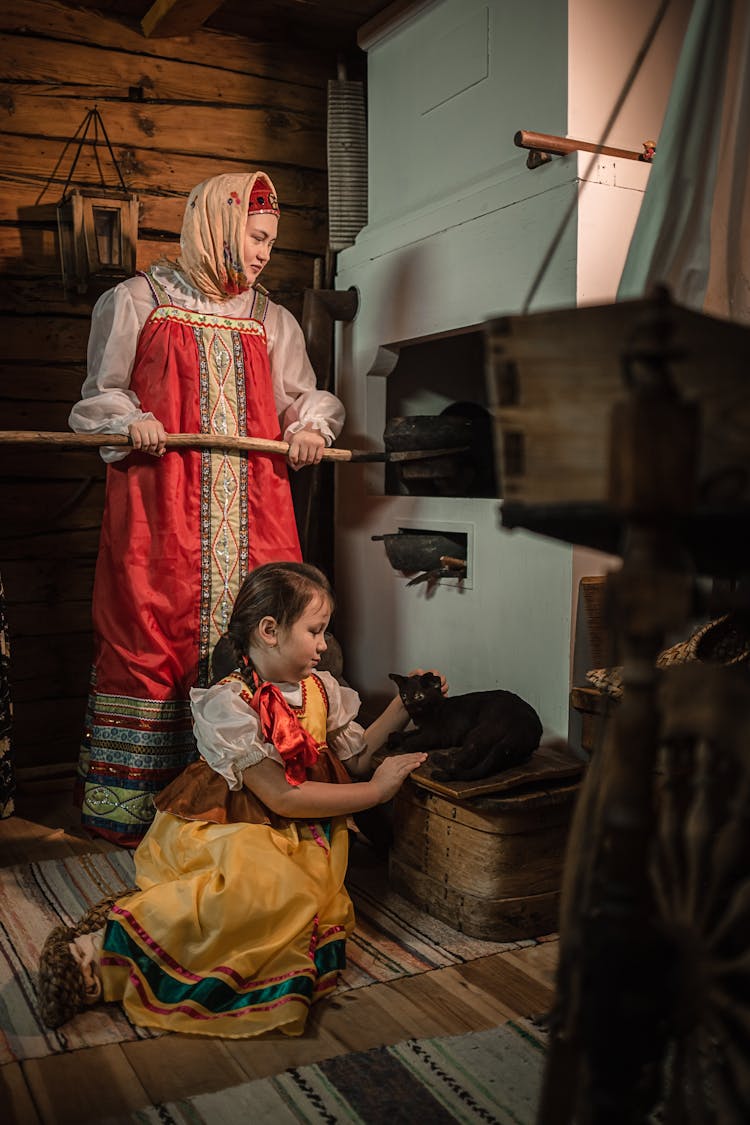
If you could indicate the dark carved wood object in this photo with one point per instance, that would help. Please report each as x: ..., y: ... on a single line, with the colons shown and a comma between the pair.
x: 645, y: 424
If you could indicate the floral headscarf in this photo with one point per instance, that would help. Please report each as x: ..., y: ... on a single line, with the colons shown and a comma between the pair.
x: 213, y: 234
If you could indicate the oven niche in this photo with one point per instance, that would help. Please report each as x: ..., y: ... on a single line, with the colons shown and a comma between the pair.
x: 425, y: 413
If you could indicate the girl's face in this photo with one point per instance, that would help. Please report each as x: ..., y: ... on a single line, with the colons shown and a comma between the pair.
x: 260, y: 236
x: 289, y: 654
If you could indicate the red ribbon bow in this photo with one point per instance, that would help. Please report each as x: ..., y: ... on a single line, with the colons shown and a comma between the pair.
x: 282, y: 728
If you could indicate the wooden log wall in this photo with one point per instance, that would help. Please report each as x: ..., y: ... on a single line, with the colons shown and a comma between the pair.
x: 176, y: 112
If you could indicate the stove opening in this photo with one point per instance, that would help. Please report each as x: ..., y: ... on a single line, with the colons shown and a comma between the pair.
x: 436, y: 399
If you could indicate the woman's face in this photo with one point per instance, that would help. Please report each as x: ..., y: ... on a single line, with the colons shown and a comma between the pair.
x: 260, y: 236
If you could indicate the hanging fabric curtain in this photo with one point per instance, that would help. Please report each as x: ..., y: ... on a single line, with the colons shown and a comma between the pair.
x: 693, y: 229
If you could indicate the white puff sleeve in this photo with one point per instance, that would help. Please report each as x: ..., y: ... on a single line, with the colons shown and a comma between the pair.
x: 227, y: 731
x: 107, y: 405
x: 298, y: 401
x: 346, y: 738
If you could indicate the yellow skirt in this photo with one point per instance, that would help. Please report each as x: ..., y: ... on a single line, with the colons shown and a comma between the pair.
x: 237, y: 928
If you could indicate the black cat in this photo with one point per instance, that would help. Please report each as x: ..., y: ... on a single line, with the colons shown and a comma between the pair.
x: 491, y: 730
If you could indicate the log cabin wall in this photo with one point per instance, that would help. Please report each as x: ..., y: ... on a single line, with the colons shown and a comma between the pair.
x: 176, y: 111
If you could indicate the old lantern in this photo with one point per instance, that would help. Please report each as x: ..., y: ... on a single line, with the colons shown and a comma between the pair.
x: 97, y: 226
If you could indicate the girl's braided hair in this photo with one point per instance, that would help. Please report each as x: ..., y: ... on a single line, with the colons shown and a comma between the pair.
x: 61, y: 991
x: 281, y: 590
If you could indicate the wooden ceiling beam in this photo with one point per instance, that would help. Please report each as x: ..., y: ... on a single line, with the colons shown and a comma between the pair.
x: 166, y: 18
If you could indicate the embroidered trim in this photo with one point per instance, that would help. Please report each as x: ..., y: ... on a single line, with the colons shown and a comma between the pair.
x: 209, y: 320
x: 160, y: 295
x: 322, y: 690
x: 205, y: 516
x: 260, y: 304
x: 244, y: 462
x: 131, y: 749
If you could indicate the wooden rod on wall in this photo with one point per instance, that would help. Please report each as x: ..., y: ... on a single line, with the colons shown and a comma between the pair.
x: 548, y: 142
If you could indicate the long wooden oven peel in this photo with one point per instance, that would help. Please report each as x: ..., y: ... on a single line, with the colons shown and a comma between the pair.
x: 69, y: 440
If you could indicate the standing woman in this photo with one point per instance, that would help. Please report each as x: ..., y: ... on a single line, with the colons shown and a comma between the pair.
x: 193, y: 346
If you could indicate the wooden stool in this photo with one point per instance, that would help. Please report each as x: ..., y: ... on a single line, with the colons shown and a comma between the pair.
x: 486, y: 856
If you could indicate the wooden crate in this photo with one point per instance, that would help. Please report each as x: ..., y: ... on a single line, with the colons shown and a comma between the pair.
x: 490, y: 866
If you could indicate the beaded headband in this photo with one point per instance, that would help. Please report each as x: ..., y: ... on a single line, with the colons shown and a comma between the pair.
x: 262, y: 199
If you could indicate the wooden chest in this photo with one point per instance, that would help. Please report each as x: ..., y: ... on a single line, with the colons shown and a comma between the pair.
x: 488, y: 865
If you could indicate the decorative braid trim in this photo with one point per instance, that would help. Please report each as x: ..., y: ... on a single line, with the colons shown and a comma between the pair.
x: 208, y: 320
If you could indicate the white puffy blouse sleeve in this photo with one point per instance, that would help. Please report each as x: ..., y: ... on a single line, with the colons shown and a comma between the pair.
x: 298, y: 400
x: 107, y: 404
x: 346, y: 738
x: 227, y: 731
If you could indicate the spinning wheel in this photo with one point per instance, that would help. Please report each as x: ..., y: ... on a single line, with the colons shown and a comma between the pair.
x: 701, y: 887
x: 652, y: 1021
x: 652, y: 1014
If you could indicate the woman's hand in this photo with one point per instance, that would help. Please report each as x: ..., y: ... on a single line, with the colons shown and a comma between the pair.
x: 392, y: 772
x: 148, y: 436
x: 305, y: 448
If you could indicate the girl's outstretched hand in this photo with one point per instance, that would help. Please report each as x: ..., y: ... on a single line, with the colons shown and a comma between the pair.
x: 421, y: 672
x: 392, y: 772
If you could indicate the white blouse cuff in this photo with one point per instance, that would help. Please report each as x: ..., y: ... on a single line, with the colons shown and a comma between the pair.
x: 318, y: 424
x: 112, y: 453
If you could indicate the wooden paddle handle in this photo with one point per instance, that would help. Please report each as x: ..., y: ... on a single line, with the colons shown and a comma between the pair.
x: 173, y: 441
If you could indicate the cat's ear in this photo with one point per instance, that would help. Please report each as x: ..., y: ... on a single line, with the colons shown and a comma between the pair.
x: 399, y: 681
x: 429, y: 678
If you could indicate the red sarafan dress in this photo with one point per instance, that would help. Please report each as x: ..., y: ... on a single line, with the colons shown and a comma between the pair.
x: 181, y: 531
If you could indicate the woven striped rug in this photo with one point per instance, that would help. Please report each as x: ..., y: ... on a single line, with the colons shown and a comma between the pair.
x: 480, y: 1078
x: 392, y: 939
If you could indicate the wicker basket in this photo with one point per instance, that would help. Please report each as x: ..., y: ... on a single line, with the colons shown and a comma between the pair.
x: 723, y: 641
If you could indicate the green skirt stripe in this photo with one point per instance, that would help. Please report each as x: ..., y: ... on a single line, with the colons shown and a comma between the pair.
x: 214, y: 993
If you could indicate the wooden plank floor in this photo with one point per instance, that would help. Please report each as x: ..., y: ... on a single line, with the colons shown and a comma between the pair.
x: 110, y: 1082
